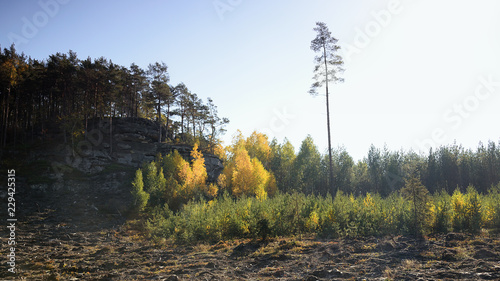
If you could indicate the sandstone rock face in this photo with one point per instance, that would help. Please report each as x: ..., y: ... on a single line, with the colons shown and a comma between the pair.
x: 214, y: 167
x: 123, y: 141
x: 95, y: 173
x: 135, y: 141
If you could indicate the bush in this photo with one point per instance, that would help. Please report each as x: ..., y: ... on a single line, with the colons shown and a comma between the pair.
x: 466, y: 211
x: 158, y: 225
x: 421, y: 205
x: 139, y: 196
x: 473, y: 216
x: 227, y: 217
x: 491, y: 208
x: 442, y: 213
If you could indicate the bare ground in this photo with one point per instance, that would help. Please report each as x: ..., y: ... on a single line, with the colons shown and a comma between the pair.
x: 51, y: 248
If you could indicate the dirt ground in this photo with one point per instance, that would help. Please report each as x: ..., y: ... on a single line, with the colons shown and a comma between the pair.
x: 51, y: 248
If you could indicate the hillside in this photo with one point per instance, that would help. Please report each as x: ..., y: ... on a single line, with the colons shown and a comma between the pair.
x: 88, y: 180
x: 74, y: 223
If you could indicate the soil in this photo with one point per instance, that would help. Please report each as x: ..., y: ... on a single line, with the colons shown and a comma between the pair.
x: 52, y: 246
x: 63, y: 235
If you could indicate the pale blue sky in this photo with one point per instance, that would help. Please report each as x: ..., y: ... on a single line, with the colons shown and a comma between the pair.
x: 416, y: 75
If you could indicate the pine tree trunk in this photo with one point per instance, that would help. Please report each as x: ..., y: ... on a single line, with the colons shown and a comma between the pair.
x: 6, y: 118
x: 330, y: 176
x: 415, y: 210
x: 182, y: 122
x: 16, y: 113
x: 110, y: 134
x: 159, y: 122
x: 166, y: 126
x: 194, y: 129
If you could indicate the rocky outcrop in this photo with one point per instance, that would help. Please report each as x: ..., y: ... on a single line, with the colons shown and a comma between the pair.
x: 123, y: 141
x: 92, y: 176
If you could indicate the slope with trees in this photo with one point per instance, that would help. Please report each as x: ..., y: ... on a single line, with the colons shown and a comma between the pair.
x: 70, y: 92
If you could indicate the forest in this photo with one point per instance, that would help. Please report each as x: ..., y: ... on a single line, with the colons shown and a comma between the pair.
x: 69, y: 92
x: 267, y: 187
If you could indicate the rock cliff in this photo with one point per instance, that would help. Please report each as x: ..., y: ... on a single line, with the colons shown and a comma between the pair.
x: 90, y: 177
x: 125, y: 141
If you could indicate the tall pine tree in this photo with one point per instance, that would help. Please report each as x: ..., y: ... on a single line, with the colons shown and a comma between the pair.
x: 158, y: 77
x: 328, y: 66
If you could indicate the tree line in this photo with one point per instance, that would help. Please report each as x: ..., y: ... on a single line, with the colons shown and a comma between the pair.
x: 383, y: 171
x: 267, y: 188
x: 69, y: 91
x: 254, y: 166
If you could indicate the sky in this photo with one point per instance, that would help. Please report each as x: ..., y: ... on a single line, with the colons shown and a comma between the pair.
x: 417, y: 73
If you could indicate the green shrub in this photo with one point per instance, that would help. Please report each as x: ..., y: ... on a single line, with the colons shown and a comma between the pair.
x: 473, y: 209
x: 140, y: 197
x: 286, y: 214
x: 491, y: 208
x: 418, y: 195
x: 443, y: 213
x: 467, y: 211
x: 159, y: 224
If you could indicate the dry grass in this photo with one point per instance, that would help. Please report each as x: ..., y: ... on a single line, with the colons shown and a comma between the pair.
x: 389, y: 273
x: 462, y: 253
x: 409, y: 265
x: 202, y: 248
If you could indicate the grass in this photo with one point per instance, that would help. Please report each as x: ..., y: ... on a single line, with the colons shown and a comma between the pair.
x: 389, y: 273
x: 409, y: 265
x: 269, y: 250
x: 462, y: 253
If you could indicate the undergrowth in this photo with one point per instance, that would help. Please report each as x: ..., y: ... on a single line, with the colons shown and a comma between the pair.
x: 345, y: 215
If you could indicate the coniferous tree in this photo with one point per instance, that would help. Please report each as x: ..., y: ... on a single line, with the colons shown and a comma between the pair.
x: 361, y: 181
x: 307, y: 167
x: 67, y: 92
x: 170, y: 100
x: 420, y: 199
x: 283, y: 157
x: 138, y: 86
x: 216, y: 125
x: 327, y: 68
x: 158, y: 78
x: 138, y: 194
x: 12, y: 66
x: 375, y: 168
x: 343, y: 170
x: 183, y: 98
x: 432, y: 177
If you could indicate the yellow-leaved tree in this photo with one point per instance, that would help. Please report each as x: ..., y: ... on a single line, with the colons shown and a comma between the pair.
x: 260, y: 179
x: 190, y: 177
x: 199, y: 171
x: 184, y: 174
x: 258, y: 147
x: 244, y: 173
x: 240, y: 172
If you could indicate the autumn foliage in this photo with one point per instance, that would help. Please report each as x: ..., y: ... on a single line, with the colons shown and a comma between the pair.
x: 172, y: 181
x: 245, y: 174
x: 248, y: 197
x: 346, y: 215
